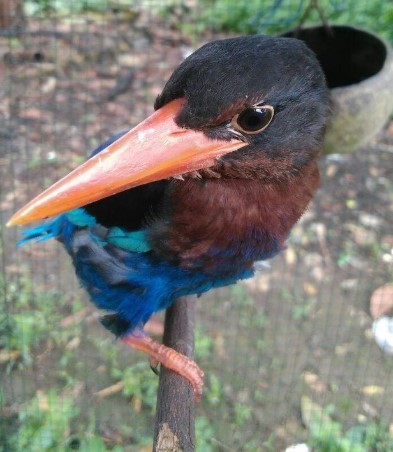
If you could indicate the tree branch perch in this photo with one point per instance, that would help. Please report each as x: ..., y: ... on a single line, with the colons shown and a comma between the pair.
x: 175, y: 418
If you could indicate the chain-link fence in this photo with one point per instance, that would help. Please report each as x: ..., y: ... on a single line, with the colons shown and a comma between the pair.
x: 290, y: 356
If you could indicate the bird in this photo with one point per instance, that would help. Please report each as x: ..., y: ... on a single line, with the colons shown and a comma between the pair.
x: 199, y: 192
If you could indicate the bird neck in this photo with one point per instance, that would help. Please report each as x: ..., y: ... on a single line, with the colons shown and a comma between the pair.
x: 232, y: 222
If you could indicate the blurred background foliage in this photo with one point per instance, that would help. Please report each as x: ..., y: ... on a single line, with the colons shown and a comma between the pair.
x: 248, y: 17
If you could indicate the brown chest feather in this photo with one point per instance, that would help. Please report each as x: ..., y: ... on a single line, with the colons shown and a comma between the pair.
x: 210, y: 215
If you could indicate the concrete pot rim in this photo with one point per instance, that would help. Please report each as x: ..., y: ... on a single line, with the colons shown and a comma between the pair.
x: 361, y: 104
x: 386, y: 44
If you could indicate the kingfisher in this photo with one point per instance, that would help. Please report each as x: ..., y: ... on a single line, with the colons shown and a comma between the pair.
x: 194, y: 196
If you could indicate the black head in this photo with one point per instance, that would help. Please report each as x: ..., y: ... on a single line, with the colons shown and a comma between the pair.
x: 235, y: 85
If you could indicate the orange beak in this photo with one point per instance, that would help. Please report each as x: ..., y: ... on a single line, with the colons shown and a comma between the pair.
x: 155, y: 149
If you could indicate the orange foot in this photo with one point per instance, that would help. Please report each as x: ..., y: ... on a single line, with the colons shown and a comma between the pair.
x: 169, y: 358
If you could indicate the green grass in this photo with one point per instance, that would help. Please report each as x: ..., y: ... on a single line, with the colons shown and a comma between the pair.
x: 246, y: 17
x: 46, y: 423
x: 53, y: 418
x: 139, y: 382
x: 29, y: 318
x: 272, y: 16
x: 328, y: 435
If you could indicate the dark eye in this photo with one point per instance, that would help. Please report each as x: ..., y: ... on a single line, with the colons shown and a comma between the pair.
x: 253, y: 120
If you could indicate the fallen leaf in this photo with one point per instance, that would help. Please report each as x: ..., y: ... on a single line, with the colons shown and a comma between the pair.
x: 73, y: 343
x: 331, y: 170
x: 128, y: 59
x: 136, y: 404
x: 375, y: 172
x: 261, y: 282
x: 349, y: 284
x: 372, y: 390
x: 343, y: 349
x: 49, y: 85
x: 219, y: 345
x: 310, y: 289
x: 370, y: 410
x: 43, y: 401
x: 290, y: 256
x: 361, y: 235
x: 314, y: 382
x: 110, y: 390
x: 369, y: 220
x: 9, y: 355
x: 381, y: 301
x: 313, y: 415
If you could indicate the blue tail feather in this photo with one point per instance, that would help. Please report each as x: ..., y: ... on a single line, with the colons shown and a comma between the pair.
x: 48, y: 230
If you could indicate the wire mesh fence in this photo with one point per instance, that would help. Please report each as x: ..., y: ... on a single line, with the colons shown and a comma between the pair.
x: 290, y: 355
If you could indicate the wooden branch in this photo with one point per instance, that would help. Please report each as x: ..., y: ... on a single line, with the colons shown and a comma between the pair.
x: 175, y: 418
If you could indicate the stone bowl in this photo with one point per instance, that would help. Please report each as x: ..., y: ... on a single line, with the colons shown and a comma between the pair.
x: 359, y: 71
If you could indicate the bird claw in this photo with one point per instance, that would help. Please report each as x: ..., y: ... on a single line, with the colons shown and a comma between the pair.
x: 171, y: 359
x: 154, y: 365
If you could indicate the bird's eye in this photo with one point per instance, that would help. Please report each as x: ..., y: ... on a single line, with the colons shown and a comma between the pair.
x: 253, y: 120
